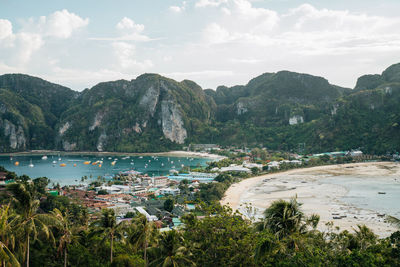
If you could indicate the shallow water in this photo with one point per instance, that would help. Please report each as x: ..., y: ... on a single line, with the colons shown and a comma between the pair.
x: 72, y: 175
x: 363, y: 193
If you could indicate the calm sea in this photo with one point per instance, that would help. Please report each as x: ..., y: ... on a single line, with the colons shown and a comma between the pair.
x: 75, y: 168
x: 363, y: 193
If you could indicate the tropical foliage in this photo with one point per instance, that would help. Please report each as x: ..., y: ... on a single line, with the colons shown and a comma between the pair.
x: 284, y: 237
x: 276, y: 110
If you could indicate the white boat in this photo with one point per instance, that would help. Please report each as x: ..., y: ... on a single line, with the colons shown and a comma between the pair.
x: 44, y: 157
x: 54, y: 162
x: 31, y: 164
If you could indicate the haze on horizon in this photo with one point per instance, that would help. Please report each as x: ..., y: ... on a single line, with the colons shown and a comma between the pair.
x: 212, y: 42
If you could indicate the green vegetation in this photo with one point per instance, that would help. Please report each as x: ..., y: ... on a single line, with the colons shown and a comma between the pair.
x: 33, y: 236
x: 137, y: 115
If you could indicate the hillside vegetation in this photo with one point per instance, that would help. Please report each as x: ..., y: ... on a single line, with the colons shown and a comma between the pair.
x: 153, y: 113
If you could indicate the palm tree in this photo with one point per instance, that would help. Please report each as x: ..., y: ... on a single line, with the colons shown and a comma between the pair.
x: 140, y: 233
x: 108, y: 227
x: 393, y: 220
x: 66, y: 232
x: 170, y: 251
x: 29, y: 223
x: 285, y: 217
x: 7, y: 239
x: 364, y: 237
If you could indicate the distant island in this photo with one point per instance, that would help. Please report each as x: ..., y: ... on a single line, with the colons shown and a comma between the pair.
x: 280, y: 111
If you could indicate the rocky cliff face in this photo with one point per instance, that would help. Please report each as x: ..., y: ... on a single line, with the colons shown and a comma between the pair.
x: 15, y: 135
x: 154, y: 113
x: 123, y: 115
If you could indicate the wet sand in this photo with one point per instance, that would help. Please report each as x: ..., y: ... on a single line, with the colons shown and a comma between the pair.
x: 316, y: 195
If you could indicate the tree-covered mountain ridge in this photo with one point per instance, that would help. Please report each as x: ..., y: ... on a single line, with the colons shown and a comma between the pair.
x: 283, y: 110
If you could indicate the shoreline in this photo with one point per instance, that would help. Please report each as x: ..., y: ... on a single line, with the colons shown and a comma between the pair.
x: 177, y: 153
x: 316, y: 193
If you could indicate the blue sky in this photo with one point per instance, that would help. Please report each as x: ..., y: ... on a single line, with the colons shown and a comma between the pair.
x: 213, y: 42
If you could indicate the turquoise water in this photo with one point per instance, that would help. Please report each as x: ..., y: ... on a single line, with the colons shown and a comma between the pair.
x: 72, y: 175
x: 363, y: 193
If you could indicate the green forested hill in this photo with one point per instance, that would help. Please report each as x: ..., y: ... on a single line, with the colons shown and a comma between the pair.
x: 153, y: 113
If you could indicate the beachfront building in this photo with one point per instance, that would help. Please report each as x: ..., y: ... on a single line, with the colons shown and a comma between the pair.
x: 252, y: 165
x: 356, y: 153
x: 273, y: 165
x: 235, y: 168
x: 204, y: 147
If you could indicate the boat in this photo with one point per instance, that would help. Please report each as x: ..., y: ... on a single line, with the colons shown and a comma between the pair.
x: 140, y: 157
x: 382, y: 193
x: 31, y: 164
x: 74, y: 164
x: 63, y: 165
x: 86, y: 162
x: 16, y: 163
x: 44, y: 157
x: 113, y: 163
x: 99, y: 165
x: 54, y: 162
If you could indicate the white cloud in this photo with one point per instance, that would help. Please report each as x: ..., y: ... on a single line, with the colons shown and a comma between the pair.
x: 5, y: 28
x: 62, y: 24
x: 210, y: 3
x: 27, y: 44
x: 131, y: 31
x: 197, y: 75
x: 246, y: 60
x: 216, y: 34
x: 178, y: 9
x: 125, y: 54
x: 126, y: 24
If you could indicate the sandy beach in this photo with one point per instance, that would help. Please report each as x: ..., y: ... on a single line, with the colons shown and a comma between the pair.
x: 315, y: 192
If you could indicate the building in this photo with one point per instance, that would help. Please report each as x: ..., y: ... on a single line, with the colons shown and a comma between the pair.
x: 160, y: 181
x: 252, y: 165
x: 235, y: 168
x: 3, y: 178
x: 149, y: 217
x: 170, y: 191
x: 205, y: 147
x: 273, y: 164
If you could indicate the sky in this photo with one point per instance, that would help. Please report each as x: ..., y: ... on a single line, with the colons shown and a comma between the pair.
x: 212, y: 42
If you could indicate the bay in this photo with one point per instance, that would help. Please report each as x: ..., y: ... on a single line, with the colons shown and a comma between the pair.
x: 75, y: 168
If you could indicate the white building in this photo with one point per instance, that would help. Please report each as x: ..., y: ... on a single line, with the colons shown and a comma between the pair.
x: 149, y: 217
x: 160, y: 181
x: 235, y: 168
x: 122, y: 208
x: 170, y: 191
x: 273, y: 164
x: 252, y: 165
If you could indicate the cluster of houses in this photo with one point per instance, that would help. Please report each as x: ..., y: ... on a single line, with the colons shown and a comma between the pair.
x: 139, y: 193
